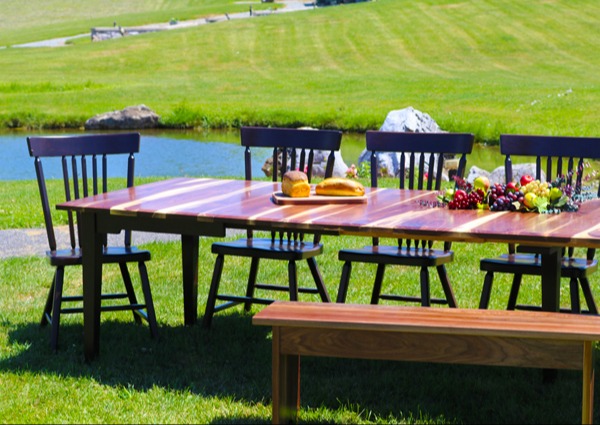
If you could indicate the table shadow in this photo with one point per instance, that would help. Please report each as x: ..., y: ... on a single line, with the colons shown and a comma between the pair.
x: 233, y: 359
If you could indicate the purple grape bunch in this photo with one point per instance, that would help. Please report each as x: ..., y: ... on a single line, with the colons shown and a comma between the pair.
x: 504, y: 197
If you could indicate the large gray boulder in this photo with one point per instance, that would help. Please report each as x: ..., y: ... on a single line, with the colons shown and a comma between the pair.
x: 410, y: 119
x: 130, y: 118
x: 401, y: 120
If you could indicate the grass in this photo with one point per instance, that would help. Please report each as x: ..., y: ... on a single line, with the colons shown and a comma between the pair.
x: 478, y: 66
x: 223, y: 375
x: 191, y: 375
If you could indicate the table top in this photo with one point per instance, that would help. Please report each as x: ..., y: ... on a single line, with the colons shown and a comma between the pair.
x: 387, y: 213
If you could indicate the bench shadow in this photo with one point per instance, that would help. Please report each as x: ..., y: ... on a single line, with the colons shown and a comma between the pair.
x: 233, y: 359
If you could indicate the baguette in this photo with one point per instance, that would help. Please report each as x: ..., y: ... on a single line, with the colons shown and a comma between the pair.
x: 295, y: 184
x: 338, y: 186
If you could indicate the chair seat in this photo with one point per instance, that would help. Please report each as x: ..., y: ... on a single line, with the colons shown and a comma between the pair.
x: 420, y: 257
x: 267, y: 248
x: 576, y: 269
x: 530, y: 264
x: 111, y: 254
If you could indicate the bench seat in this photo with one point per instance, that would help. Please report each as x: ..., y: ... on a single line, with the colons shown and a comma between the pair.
x: 462, y: 336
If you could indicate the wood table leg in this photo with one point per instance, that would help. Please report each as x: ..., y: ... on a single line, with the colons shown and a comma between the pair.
x: 91, y: 244
x: 551, y: 262
x: 286, y: 383
x: 189, y: 257
x: 587, y: 403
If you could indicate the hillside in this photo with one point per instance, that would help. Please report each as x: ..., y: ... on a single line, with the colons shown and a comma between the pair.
x: 480, y: 66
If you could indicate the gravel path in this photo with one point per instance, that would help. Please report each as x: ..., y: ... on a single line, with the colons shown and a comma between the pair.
x: 27, y: 242
x: 289, y: 6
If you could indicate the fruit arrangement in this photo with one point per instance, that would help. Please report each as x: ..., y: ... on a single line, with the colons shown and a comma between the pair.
x: 528, y: 195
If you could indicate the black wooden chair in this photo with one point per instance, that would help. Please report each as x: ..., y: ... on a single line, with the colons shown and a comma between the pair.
x: 290, y: 149
x: 83, y: 161
x: 415, y: 149
x: 568, y: 156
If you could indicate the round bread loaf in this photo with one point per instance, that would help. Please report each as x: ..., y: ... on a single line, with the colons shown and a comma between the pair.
x: 295, y: 184
x: 338, y: 186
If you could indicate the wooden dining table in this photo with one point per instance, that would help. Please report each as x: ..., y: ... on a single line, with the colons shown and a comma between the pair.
x: 193, y: 207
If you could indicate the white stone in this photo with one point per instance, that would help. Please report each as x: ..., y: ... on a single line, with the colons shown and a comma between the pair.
x: 401, y: 120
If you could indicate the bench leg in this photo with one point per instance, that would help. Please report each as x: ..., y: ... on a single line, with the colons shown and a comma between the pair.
x: 587, y: 404
x: 286, y: 384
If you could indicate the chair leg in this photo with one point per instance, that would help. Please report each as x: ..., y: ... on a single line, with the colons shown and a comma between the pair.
x: 47, y: 315
x: 378, y: 282
x: 150, y: 313
x: 514, y: 292
x: 575, y: 300
x: 251, y: 282
x: 56, y: 306
x: 129, y: 290
x: 293, y: 278
x: 589, y: 298
x: 486, y: 292
x: 425, y: 289
x: 318, y: 278
x: 212, y: 293
x: 344, y: 282
x: 448, y: 292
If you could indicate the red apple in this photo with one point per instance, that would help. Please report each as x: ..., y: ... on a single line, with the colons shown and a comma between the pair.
x: 510, y: 187
x: 525, y: 179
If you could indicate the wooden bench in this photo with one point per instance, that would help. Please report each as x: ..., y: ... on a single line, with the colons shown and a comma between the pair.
x: 439, y: 335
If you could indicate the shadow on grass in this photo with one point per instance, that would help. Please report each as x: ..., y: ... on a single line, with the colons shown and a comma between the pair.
x: 233, y: 359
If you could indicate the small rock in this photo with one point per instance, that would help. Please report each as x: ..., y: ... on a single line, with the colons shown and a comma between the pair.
x: 498, y: 174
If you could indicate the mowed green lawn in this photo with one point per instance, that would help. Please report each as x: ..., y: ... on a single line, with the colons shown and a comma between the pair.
x: 480, y: 66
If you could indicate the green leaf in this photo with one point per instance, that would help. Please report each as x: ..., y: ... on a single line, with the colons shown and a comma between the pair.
x: 541, y: 203
x: 561, y: 201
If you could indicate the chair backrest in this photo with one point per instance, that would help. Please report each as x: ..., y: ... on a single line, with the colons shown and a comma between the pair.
x: 421, y: 159
x: 84, y: 162
x: 556, y: 156
x: 292, y: 149
x: 421, y: 155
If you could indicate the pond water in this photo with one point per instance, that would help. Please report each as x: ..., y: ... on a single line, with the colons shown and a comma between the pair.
x: 189, y: 153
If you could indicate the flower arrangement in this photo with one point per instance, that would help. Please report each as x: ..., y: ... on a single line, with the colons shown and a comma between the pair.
x: 363, y: 170
x: 528, y: 195
x: 352, y: 172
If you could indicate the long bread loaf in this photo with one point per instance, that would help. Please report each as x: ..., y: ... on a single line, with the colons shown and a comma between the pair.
x: 338, y: 186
